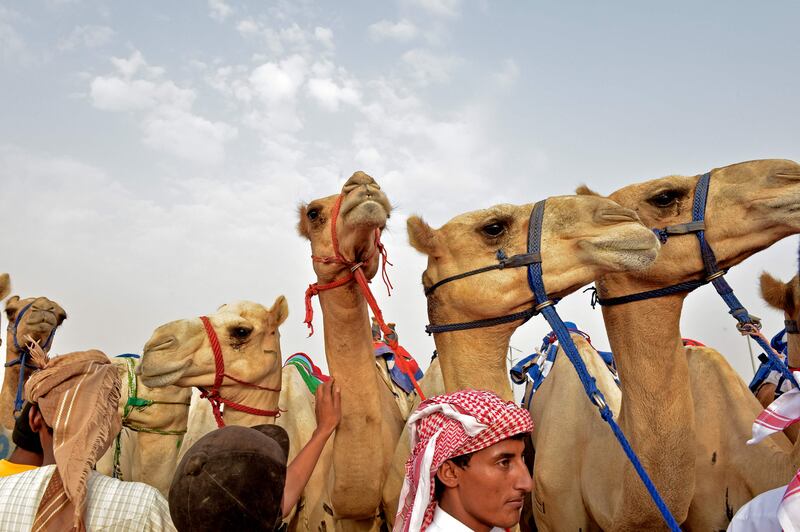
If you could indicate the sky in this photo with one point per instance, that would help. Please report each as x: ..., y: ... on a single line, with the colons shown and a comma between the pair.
x: 153, y: 154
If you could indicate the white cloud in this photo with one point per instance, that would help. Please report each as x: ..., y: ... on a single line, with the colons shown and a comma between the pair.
x: 247, y: 26
x: 445, y: 8
x: 168, y: 124
x: 508, y: 74
x: 88, y: 36
x: 427, y: 67
x: 402, y: 31
x: 13, y: 47
x: 219, y: 10
x: 275, y: 82
x: 180, y: 133
x: 328, y: 94
x: 324, y: 36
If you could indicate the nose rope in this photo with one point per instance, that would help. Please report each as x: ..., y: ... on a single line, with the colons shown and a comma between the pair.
x: 403, y: 359
x: 213, y: 395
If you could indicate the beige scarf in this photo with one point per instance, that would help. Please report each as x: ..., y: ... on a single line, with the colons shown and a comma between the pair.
x: 77, y: 394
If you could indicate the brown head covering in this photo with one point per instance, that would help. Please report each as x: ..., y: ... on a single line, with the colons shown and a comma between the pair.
x: 238, y: 473
x: 78, y: 395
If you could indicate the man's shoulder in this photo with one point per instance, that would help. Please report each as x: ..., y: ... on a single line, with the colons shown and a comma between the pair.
x: 112, y: 501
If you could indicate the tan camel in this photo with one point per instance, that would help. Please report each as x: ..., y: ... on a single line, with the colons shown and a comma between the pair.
x: 5, y: 288
x: 784, y: 297
x: 701, y: 469
x: 371, y: 420
x: 154, y: 422
x: 39, y: 318
x: 582, y: 238
x: 179, y: 353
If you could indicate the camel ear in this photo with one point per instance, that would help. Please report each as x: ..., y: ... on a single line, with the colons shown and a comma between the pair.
x: 280, y: 310
x: 5, y: 285
x: 12, y: 307
x: 423, y: 237
x: 583, y: 190
x: 776, y: 293
x: 302, y: 221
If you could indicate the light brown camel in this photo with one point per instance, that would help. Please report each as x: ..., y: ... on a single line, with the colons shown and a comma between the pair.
x: 179, y: 353
x: 784, y: 297
x: 704, y: 470
x: 39, y: 318
x: 583, y: 237
x: 371, y: 420
x: 154, y: 422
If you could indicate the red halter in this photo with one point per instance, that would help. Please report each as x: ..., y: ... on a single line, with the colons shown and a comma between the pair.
x: 403, y: 358
x: 213, y: 395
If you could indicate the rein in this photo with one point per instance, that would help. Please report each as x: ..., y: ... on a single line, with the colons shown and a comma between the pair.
x: 747, y: 324
x: 22, y: 359
x: 213, y: 394
x: 134, y: 402
x: 403, y: 359
x: 546, y: 306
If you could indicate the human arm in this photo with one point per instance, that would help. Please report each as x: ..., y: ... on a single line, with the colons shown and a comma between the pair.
x: 328, y: 413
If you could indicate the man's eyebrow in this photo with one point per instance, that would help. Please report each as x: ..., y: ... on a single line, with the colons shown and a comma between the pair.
x: 507, y: 455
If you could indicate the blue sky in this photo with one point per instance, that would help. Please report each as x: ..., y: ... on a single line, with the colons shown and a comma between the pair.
x: 152, y: 154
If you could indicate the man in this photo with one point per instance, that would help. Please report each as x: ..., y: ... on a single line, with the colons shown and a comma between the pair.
x: 28, y: 453
x: 466, y: 471
x: 241, y: 475
x: 74, y: 410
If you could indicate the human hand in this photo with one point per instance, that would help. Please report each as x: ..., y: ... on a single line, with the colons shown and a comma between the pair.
x: 328, y: 406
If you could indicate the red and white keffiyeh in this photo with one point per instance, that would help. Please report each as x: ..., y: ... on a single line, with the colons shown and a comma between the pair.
x: 782, y: 412
x: 442, y: 428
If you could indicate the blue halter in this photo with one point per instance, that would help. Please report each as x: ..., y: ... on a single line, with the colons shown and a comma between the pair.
x: 746, y: 323
x: 22, y: 359
x: 546, y: 306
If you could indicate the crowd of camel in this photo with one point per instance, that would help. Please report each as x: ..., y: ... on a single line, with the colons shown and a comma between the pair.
x: 685, y: 410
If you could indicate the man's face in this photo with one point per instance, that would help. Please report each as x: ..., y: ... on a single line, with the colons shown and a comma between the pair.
x: 492, y: 487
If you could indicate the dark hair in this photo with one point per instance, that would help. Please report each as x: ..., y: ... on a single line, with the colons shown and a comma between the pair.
x: 462, y: 461
x: 23, y: 436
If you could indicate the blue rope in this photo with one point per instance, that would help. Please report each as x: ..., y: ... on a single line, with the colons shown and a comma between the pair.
x: 546, y: 307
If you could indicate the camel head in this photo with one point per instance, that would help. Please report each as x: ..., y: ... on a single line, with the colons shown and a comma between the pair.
x: 750, y: 206
x: 363, y: 213
x: 5, y: 285
x: 782, y: 296
x: 180, y: 353
x: 583, y: 237
x: 39, y: 321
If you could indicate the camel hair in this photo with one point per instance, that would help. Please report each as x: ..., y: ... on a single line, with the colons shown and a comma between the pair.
x: 583, y: 237
x: 372, y: 421
x: 673, y: 396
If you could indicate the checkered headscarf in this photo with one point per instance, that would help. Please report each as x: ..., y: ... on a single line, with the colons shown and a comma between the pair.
x: 442, y: 428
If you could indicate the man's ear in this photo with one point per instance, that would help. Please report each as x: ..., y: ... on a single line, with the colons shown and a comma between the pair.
x: 35, y: 419
x: 448, y: 474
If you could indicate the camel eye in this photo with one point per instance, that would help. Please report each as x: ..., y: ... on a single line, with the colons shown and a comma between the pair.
x: 494, y: 229
x: 240, y: 333
x: 313, y: 214
x: 666, y: 198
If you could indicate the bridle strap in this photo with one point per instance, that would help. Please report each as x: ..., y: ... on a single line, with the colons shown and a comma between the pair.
x: 403, y: 359
x: 514, y: 261
x: 747, y: 324
x: 791, y: 327
x: 214, y: 396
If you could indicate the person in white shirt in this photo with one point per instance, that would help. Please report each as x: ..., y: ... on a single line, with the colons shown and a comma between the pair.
x: 466, y: 471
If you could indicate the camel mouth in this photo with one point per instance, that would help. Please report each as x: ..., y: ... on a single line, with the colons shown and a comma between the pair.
x: 167, y: 375
x: 159, y: 344
x: 636, y: 252
x: 366, y: 208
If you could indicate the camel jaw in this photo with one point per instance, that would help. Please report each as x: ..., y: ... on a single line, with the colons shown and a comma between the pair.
x: 165, y: 376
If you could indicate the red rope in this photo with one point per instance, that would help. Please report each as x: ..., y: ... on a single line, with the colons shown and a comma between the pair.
x: 214, y: 396
x: 403, y: 359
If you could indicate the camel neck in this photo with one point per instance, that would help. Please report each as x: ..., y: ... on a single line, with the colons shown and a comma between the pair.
x: 793, y: 347
x: 351, y: 360
x: 260, y: 399
x: 657, y: 412
x: 476, y: 358
x: 9, y: 390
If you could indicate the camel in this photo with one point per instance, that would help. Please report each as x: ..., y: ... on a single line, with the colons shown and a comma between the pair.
x: 784, y: 297
x: 673, y: 396
x: 180, y: 354
x: 38, y: 318
x: 583, y: 238
x: 371, y: 424
x: 154, y: 422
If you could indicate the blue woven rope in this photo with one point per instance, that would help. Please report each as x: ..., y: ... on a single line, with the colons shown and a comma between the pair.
x: 587, y: 380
